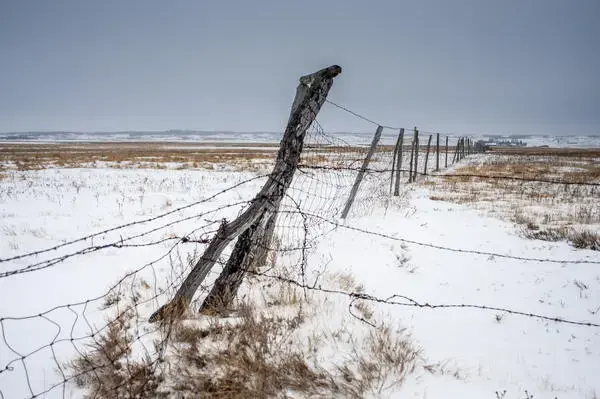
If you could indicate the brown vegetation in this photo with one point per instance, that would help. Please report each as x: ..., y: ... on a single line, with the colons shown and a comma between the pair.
x: 543, y: 210
x: 252, y: 352
x: 39, y: 156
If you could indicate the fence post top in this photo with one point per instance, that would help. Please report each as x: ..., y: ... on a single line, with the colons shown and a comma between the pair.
x: 325, y: 73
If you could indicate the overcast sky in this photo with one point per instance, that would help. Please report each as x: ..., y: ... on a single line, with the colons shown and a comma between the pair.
x: 468, y: 66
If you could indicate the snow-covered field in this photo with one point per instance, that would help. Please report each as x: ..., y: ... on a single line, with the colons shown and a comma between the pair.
x: 465, y: 352
x: 389, y: 137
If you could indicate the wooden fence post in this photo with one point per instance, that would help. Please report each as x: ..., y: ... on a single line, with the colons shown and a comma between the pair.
x: 456, y: 151
x: 362, y: 171
x: 446, y: 164
x: 394, y: 163
x: 437, y: 152
x: 310, y: 97
x: 399, y: 164
x: 412, y: 159
x: 416, y: 155
x: 427, y: 155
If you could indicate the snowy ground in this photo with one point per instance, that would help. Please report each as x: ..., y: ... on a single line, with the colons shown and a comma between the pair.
x: 477, y: 353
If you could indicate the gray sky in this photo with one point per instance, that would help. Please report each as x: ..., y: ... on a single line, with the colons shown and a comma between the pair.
x: 468, y: 66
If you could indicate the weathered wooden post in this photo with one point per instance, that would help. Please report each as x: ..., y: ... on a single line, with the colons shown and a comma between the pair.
x: 427, y: 155
x: 456, y: 151
x: 394, y: 164
x: 437, y: 152
x: 412, y: 159
x: 252, y: 225
x: 446, y: 163
x: 362, y: 171
x: 416, y: 155
x: 399, y: 164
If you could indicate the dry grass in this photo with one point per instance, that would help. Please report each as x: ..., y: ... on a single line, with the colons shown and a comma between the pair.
x: 546, y: 211
x: 254, y: 352
x: 550, y: 234
x: 105, y: 370
x: 585, y: 239
x: 160, y: 155
x: 584, y: 170
x: 381, y: 363
x: 541, y: 151
x: 244, y: 359
x: 130, y: 155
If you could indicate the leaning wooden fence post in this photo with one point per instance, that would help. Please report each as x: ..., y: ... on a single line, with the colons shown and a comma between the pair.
x: 310, y: 97
x: 446, y: 164
x: 362, y: 171
x: 399, y: 163
x: 437, y: 152
x: 416, y: 155
x: 427, y: 155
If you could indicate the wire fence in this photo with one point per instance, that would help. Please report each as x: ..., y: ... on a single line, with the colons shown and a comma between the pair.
x: 73, y: 339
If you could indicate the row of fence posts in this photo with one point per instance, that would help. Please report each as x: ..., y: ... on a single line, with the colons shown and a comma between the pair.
x: 464, y: 146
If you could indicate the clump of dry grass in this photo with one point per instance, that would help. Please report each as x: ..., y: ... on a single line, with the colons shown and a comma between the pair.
x: 382, y: 362
x: 243, y: 359
x: 106, y: 370
x: 549, y: 234
x: 585, y: 239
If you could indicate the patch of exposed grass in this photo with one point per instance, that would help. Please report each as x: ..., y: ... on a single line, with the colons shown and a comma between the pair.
x: 243, y: 359
x: 549, y: 234
x: 106, y: 370
x: 253, y: 352
x: 381, y: 363
x: 585, y: 239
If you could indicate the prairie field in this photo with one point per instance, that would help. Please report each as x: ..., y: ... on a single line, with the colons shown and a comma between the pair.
x: 481, y: 280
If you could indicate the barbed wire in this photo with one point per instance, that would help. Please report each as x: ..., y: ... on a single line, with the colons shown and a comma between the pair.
x: 450, y: 249
x: 450, y: 175
x: 114, y: 244
x: 122, y: 226
x: 410, y: 302
x: 374, y: 123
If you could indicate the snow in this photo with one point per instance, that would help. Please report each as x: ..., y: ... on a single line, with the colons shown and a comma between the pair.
x: 478, y: 351
x: 389, y: 137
